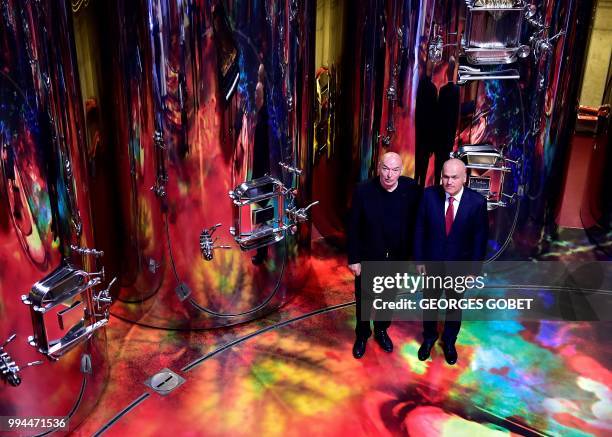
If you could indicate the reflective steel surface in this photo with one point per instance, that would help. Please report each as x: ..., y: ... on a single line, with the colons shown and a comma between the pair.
x: 403, y: 54
x: 44, y: 210
x: 280, y: 103
x: 210, y: 96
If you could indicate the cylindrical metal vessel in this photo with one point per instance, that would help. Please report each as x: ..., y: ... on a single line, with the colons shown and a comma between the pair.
x: 552, y: 99
x: 372, y: 101
x: 49, y: 280
x: 406, y: 53
x: 211, y: 98
x: 349, y: 76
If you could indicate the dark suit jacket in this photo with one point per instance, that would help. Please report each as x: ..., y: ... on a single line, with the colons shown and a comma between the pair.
x: 467, y: 240
x: 366, y: 220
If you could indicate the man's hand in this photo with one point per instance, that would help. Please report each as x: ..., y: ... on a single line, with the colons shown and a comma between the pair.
x: 420, y: 268
x: 355, y: 268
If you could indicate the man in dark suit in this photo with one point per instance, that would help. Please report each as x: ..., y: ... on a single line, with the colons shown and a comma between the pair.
x: 381, y: 227
x: 452, y: 225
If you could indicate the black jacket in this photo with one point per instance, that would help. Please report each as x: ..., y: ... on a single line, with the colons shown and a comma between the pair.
x: 366, y: 220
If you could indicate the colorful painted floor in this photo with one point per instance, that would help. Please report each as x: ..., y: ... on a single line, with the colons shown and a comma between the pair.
x: 292, y: 373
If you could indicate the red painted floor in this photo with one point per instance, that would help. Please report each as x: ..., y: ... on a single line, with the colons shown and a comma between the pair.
x: 292, y: 373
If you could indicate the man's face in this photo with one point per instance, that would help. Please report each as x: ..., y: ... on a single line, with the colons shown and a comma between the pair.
x: 389, y: 171
x: 453, y: 177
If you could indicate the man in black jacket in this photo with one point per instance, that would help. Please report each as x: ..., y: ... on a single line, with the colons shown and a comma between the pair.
x: 381, y: 227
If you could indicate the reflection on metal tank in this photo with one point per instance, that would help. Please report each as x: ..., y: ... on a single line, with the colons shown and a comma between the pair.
x: 518, y: 91
x: 349, y: 74
x: 52, y: 301
x: 214, y: 101
x: 509, y: 59
x: 522, y: 110
x: 331, y: 140
x: 371, y: 98
x: 561, y: 34
x: 494, y: 82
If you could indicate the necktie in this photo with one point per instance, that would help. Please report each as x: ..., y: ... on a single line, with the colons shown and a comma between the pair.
x: 450, y: 215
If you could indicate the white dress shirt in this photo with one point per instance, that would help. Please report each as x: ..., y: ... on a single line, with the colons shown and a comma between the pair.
x: 457, y: 198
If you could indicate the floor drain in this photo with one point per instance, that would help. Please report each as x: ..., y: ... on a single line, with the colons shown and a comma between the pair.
x: 164, y: 381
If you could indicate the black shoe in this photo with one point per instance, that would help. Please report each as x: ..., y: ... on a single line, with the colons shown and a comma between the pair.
x: 383, y: 340
x: 359, y: 347
x: 425, y: 349
x: 450, y: 353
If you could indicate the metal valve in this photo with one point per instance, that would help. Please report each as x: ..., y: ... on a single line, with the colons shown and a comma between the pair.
x: 531, y: 16
x: 158, y: 140
x: 436, y: 44
x: 87, y: 252
x: 543, y: 45
x: 540, y: 43
x: 290, y: 105
x: 103, y: 299
x: 290, y: 169
x: 299, y: 215
x: 8, y: 369
x: 208, y: 244
x: 160, y: 186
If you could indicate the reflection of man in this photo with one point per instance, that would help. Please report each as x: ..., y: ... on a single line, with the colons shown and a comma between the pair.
x: 424, y: 125
x: 451, y: 225
x: 381, y: 227
x: 447, y: 116
x: 261, y: 149
x: 261, y: 146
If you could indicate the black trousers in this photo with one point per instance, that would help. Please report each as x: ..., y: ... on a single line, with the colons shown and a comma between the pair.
x: 365, y: 301
x: 452, y: 323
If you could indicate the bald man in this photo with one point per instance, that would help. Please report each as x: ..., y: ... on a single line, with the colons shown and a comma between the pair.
x: 380, y: 228
x: 452, y: 225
